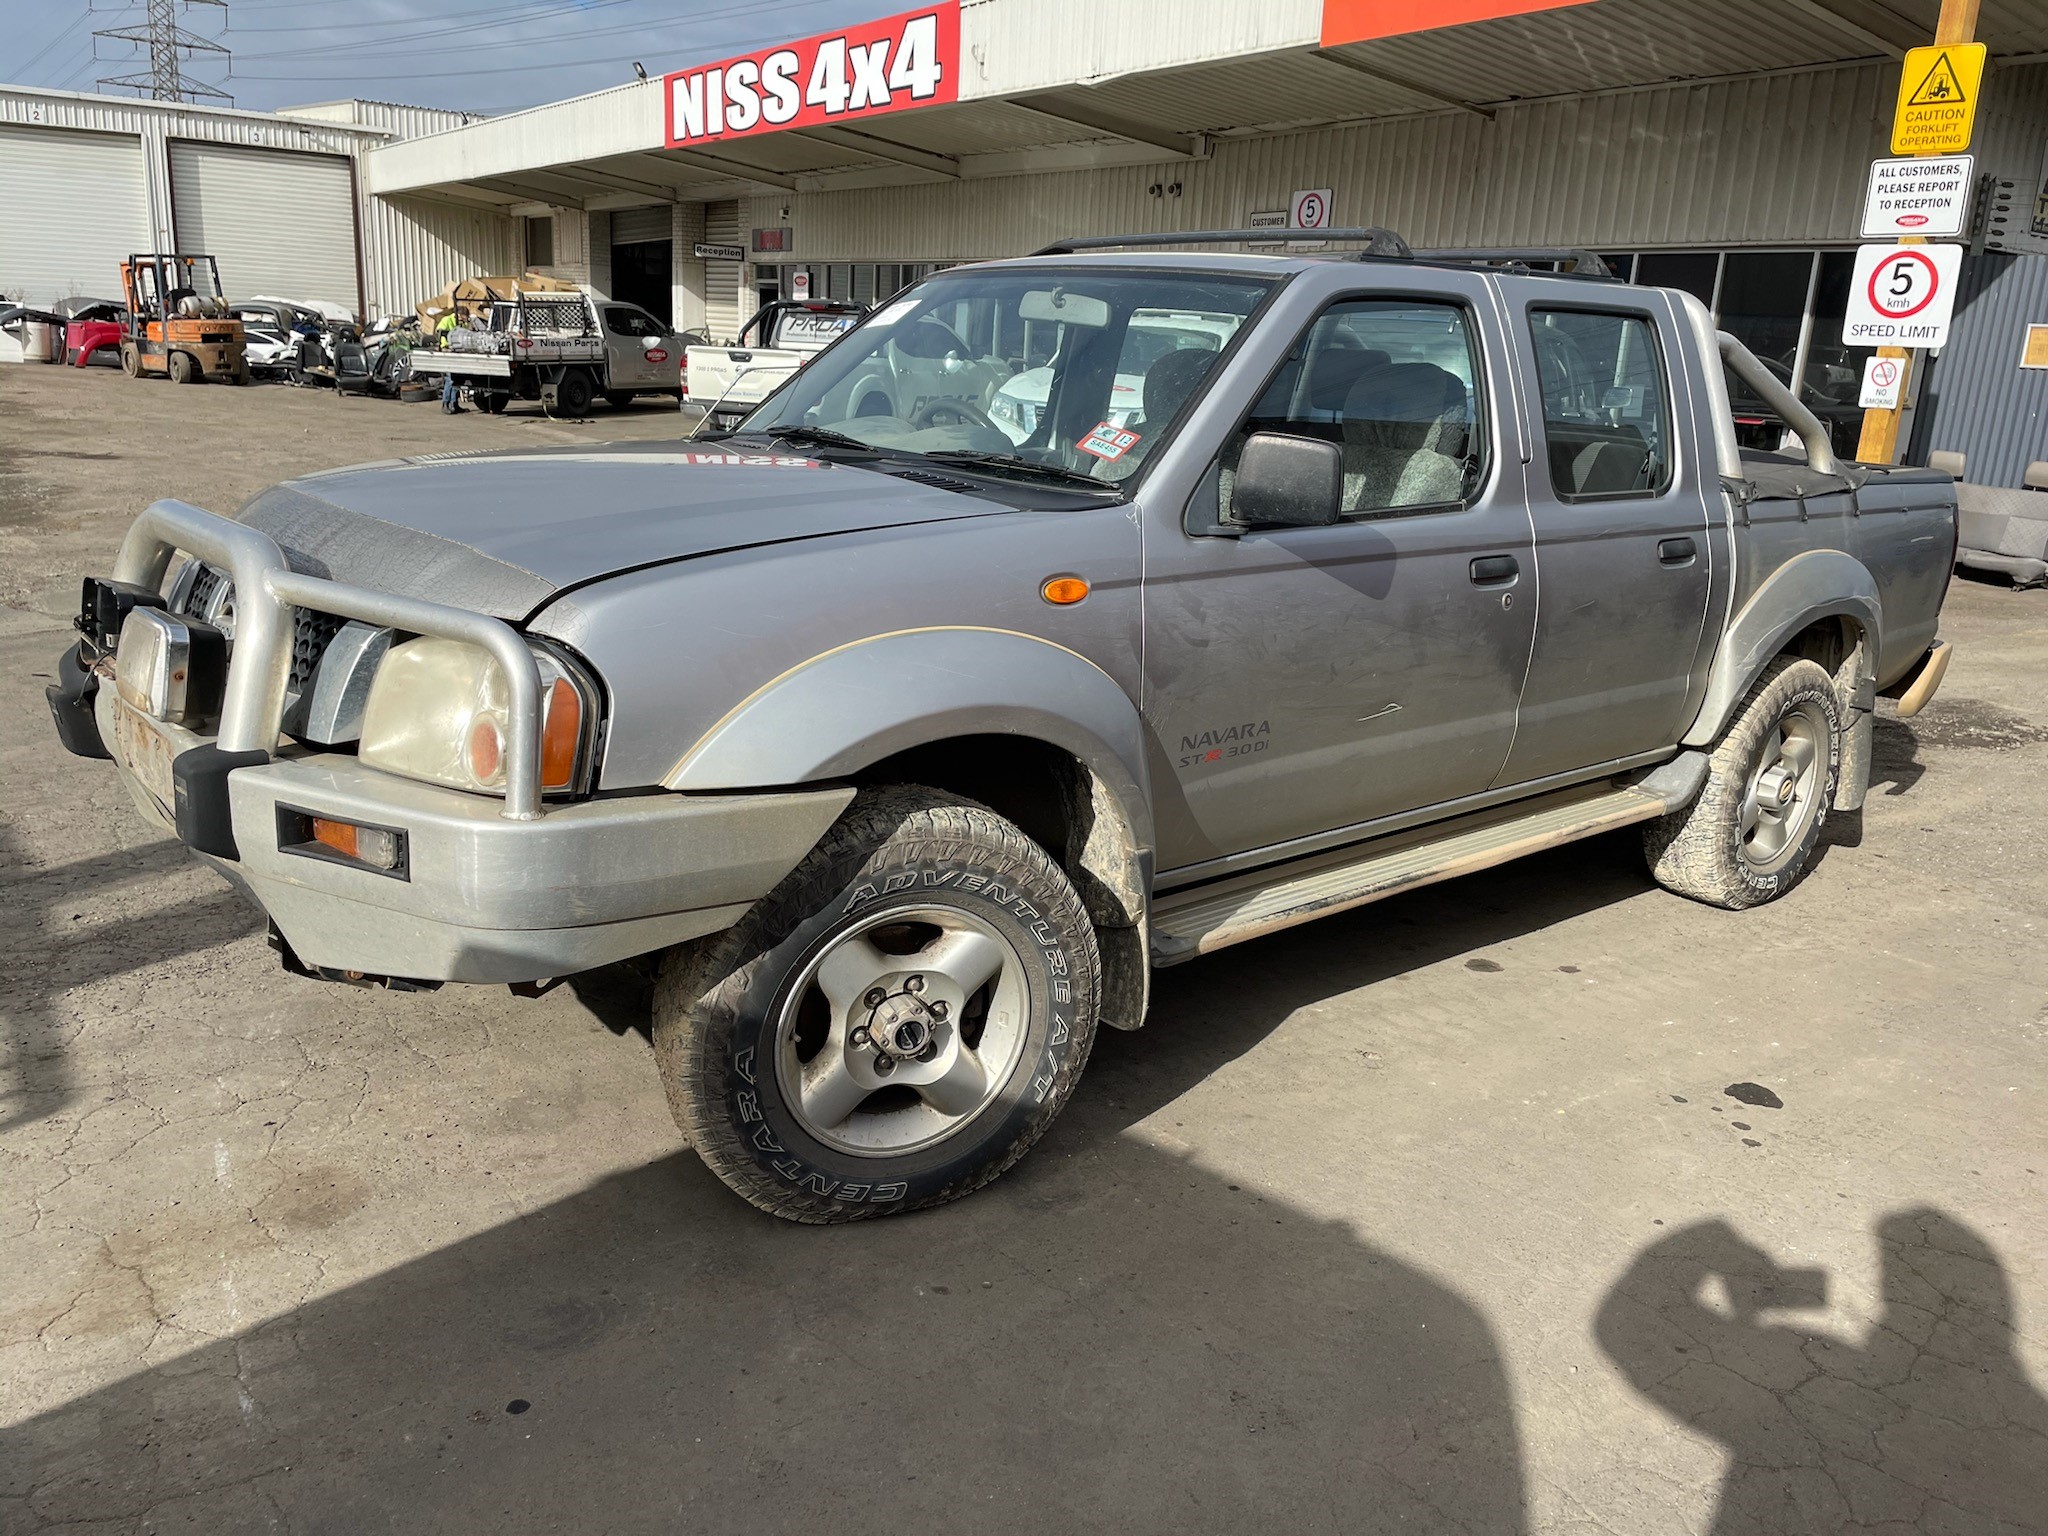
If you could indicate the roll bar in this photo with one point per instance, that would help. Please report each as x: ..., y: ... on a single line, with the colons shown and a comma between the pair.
x: 1820, y: 448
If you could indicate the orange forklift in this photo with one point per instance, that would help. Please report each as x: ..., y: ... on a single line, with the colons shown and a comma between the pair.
x: 179, y: 323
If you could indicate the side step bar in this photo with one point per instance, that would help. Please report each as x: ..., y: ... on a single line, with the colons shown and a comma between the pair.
x: 1202, y: 918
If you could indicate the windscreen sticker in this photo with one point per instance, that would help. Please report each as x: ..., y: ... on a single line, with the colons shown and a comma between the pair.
x: 893, y: 313
x: 1106, y: 440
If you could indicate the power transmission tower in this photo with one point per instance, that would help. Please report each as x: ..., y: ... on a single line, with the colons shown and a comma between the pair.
x: 170, y: 45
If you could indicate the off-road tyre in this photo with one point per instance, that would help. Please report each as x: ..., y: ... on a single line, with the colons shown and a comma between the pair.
x: 718, y: 1001
x: 184, y: 369
x: 1698, y: 851
x: 573, y: 394
x: 618, y: 399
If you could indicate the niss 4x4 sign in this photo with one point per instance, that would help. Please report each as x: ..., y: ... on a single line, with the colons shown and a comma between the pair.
x: 911, y: 60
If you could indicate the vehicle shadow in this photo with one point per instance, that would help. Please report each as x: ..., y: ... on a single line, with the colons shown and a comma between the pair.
x: 1119, y: 1341
x: 1895, y: 756
x: 1928, y: 1423
x: 43, y: 955
x: 1112, y: 1337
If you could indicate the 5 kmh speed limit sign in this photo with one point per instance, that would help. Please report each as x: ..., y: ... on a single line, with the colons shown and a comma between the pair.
x: 1902, y: 295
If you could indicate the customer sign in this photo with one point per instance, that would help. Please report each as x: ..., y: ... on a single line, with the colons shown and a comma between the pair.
x: 1930, y: 197
x: 911, y: 60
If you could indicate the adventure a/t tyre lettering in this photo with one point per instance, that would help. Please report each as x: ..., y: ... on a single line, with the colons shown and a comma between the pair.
x: 894, y: 1025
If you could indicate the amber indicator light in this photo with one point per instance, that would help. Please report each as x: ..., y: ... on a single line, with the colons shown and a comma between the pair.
x: 338, y: 835
x: 1063, y: 591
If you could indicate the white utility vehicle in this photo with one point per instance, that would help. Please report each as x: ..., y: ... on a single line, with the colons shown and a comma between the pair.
x: 730, y: 381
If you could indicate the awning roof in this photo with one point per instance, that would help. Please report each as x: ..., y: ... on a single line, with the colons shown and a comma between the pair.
x: 1034, y: 107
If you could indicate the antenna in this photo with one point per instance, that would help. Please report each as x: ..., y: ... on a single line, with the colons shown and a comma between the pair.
x: 170, y: 45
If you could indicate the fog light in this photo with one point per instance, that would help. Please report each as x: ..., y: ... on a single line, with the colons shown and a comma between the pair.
x: 171, y: 668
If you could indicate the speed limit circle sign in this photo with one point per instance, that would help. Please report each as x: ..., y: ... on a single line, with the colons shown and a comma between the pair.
x: 1902, y: 295
x: 1311, y: 209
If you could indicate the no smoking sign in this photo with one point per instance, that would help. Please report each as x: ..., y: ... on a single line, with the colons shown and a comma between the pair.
x: 1902, y: 295
x: 1882, y: 377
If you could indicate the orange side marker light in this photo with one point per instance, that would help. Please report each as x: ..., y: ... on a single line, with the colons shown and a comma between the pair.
x: 1063, y: 591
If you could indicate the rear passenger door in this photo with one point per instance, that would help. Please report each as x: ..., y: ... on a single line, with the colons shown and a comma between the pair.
x: 1619, y: 494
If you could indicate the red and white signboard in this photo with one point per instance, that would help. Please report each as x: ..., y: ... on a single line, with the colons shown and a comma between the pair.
x: 911, y: 60
x: 1902, y: 295
x: 1919, y: 197
x: 1882, y: 377
x: 1358, y: 21
x: 1311, y: 209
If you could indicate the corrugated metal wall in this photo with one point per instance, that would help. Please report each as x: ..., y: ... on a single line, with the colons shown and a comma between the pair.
x: 1978, y: 401
x: 722, y: 317
x: 1772, y: 159
x: 687, y: 305
x: 414, y: 247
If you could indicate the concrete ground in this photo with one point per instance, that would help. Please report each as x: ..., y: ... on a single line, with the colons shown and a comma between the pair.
x: 1435, y: 1216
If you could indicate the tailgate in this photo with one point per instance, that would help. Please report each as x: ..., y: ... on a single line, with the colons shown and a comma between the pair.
x: 464, y: 364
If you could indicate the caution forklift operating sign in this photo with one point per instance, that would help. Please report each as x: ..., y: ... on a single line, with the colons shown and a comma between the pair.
x: 1938, y: 91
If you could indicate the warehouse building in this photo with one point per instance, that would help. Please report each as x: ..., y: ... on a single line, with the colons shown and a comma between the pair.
x: 1722, y: 146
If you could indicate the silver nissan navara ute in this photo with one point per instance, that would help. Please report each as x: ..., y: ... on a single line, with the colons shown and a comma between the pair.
x: 904, y: 730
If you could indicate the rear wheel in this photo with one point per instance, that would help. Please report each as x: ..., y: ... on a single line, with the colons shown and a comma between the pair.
x: 493, y: 401
x: 573, y: 394
x: 184, y: 370
x: 618, y: 399
x: 1751, y: 833
x: 894, y: 1025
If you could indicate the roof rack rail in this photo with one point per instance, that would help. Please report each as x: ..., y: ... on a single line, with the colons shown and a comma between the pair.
x: 1584, y: 263
x: 1382, y: 243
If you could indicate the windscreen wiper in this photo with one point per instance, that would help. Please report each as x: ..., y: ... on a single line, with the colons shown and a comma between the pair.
x: 815, y: 437
x: 1009, y: 463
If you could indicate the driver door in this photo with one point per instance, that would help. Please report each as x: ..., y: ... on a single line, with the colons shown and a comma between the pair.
x: 1304, y: 681
x: 638, y: 353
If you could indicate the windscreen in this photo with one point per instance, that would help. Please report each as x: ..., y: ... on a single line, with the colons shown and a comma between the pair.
x: 1082, y: 371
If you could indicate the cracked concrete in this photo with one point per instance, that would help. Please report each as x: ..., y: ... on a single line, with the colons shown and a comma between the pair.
x: 1353, y: 1237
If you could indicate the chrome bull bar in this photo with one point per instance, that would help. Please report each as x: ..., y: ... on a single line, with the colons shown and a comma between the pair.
x: 267, y: 589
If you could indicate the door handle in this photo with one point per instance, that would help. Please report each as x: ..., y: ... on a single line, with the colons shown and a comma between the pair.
x: 1676, y: 551
x: 1492, y: 570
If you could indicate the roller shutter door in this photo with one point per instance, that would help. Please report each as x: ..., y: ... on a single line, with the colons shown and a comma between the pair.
x: 278, y: 223
x: 635, y: 226
x: 722, y: 315
x: 73, y: 207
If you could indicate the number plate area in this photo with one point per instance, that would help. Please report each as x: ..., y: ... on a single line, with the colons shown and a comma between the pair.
x: 145, y: 751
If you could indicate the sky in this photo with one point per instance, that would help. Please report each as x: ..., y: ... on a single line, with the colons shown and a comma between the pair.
x: 477, y: 55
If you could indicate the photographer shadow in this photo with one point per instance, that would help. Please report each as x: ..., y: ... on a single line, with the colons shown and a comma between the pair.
x: 1930, y: 1422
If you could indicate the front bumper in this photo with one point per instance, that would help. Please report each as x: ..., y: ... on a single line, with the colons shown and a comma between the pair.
x: 483, y: 898
x: 492, y: 889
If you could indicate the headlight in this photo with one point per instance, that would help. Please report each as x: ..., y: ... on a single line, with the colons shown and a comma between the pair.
x: 438, y: 711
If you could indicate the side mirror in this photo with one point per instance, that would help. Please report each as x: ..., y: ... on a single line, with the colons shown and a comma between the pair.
x: 1287, y: 482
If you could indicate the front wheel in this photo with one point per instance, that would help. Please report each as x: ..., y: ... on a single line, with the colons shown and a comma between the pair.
x: 1751, y: 833
x: 131, y: 359
x: 618, y: 399
x: 891, y: 1027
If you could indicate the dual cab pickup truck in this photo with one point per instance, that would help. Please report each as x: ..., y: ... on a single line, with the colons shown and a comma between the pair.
x: 904, y: 750
x: 564, y: 350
